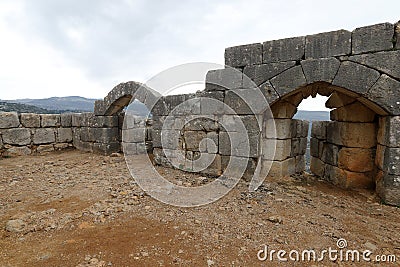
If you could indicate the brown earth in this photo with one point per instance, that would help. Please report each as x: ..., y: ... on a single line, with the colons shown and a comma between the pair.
x: 80, y: 209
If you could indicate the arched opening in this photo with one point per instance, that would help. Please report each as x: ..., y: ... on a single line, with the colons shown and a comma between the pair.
x: 344, y: 150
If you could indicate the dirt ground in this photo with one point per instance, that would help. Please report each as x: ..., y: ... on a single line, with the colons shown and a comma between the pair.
x: 79, y: 209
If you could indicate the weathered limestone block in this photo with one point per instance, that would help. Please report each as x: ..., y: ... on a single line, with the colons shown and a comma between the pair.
x: 243, y: 55
x: 269, y: 92
x: 380, y: 156
x: 391, y: 162
x: 83, y: 146
x: 328, y: 44
x: 213, y: 169
x: 300, y: 164
x: 234, y: 143
x: 337, y: 100
x: 156, y: 134
x: 105, y: 135
x: 283, y: 110
x: 388, y: 62
x: 295, y: 151
x: 87, y: 134
x: 76, y: 119
x: 193, y: 139
x: 132, y: 121
x: 30, y: 120
x: 356, y: 159
x: 372, y: 38
x: 201, y: 124
x: 352, y: 134
x: 314, y: 148
x: 384, y: 93
x: 355, y: 180
x: 50, y: 120
x: 289, y: 80
x: 43, y: 136
x: 64, y: 135
x: 17, y: 136
x: 299, y: 128
x: 355, y: 112
x: 211, y: 102
x: 318, y: 129
x: 303, y: 145
x: 245, y: 101
x: 280, y: 169
x: 160, y: 108
x: 388, y: 188
x: 330, y: 154
x: 104, y: 121
x: 282, y: 151
x: 282, y: 129
x: 261, y: 73
x: 223, y: 79
x: 283, y: 50
x: 136, y: 135
x: 108, y: 148
x: 61, y: 146
x: 9, y: 120
x: 18, y: 151
x: 212, y: 142
x: 389, y: 131
x: 322, y: 69
x: 317, y: 166
x: 44, y: 148
x: 355, y: 77
x: 295, y: 99
x: 66, y: 119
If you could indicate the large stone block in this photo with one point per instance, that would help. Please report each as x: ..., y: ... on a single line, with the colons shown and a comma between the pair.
x: 388, y: 188
x: 372, y: 38
x: 9, y: 120
x: 289, y: 80
x: 235, y: 144
x: 261, y: 73
x: 245, y: 101
x: 212, y: 142
x: 211, y: 102
x: 283, y: 110
x: 223, y: 79
x: 355, y: 77
x: 356, y: 159
x: 269, y: 92
x: 281, y: 152
x: 64, y: 135
x: 318, y: 129
x: 30, y: 120
x: 17, y: 136
x: 283, y: 50
x: 106, y: 149
x: 389, y: 131
x: 105, y: 135
x: 281, y: 130
x: 391, y: 162
x: 45, y: 148
x: 243, y: 55
x: 300, y: 162
x: 315, y: 148
x: 387, y: 62
x: 136, y: 135
x: 193, y: 139
x: 337, y: 100
x: 43, y: 136
x: 18, y: 151
x: 50, y: 120
x: 320, y: 70
x: 317, y: 167
x: 355, y: 180
x: 351, y: 134
x: 355, y: 112
x: 383, y: 93
x: 66, y: 120
x: 330, y: 154
x: 213, y: 169
x: 104, y: 121
x: 279, y: 169
x: 328, y: 44
x: 201, y: 124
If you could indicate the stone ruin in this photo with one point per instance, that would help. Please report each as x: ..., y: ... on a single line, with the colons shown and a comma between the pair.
x: 359, y: 148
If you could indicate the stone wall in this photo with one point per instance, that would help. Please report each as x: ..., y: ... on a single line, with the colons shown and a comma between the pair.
x: 25, y: 134
x: 136, y: 135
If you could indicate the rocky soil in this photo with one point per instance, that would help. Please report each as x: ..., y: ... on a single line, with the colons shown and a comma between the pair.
x: 78, y: 209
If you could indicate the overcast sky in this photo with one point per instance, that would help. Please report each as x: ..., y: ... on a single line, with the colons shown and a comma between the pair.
x: 76, y: 47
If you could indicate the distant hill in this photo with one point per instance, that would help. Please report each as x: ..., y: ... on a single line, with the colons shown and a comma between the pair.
x: 69, y: 103
x: 60, y: 105
x: 312, y: 115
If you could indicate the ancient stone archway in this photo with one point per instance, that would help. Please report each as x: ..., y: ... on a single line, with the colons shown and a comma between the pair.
x: 358, y: 70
